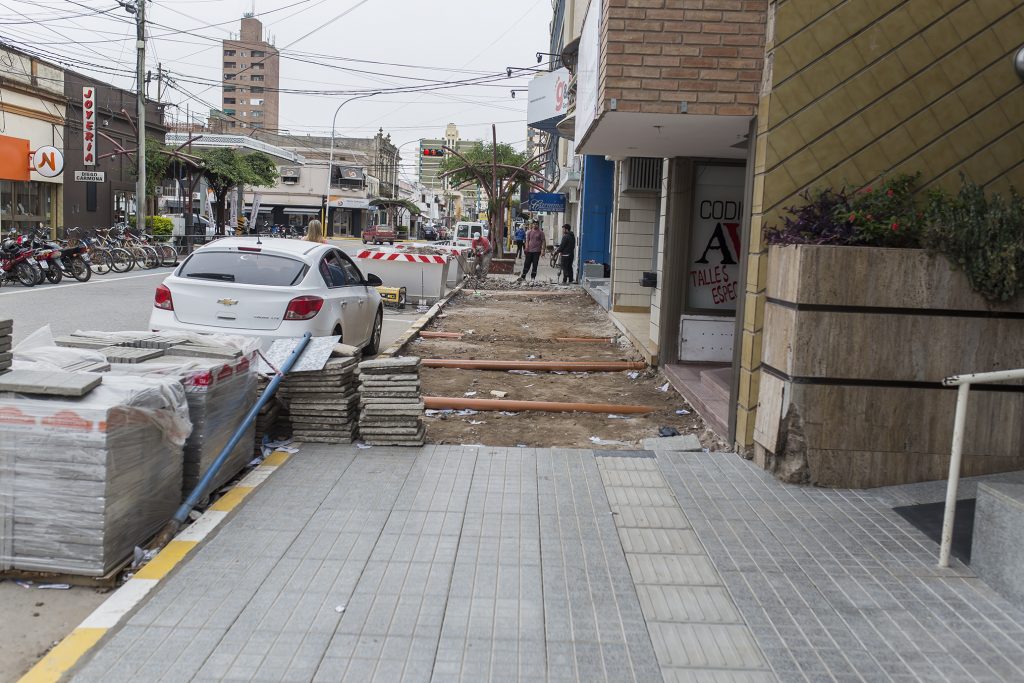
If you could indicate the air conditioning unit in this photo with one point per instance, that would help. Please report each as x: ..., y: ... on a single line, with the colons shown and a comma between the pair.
x: 642, y: 175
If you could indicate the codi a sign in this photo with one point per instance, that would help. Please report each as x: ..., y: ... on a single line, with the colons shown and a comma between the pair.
x: 713, y: 278
x: 89, y: 125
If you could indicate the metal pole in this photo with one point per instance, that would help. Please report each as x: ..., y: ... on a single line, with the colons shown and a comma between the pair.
x: 200, y: 490
x: 140, y: 189
x: 955, y: 458
x: 330, y: 162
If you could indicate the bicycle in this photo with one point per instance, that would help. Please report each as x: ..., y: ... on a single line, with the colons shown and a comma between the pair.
x: 121, y: 260
x: 145, y: 257
x: 166, y: 254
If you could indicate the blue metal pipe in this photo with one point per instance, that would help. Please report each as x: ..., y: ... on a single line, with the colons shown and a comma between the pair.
x: 200, y: 490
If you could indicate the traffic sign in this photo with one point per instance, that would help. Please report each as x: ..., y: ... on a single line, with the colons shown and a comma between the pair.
x: 91, y: 176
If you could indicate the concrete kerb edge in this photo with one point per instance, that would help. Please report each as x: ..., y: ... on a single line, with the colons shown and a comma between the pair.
x: 423, y: 321
x: 70, y: 651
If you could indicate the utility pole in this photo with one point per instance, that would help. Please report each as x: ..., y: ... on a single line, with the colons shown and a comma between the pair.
x: 140, y: 44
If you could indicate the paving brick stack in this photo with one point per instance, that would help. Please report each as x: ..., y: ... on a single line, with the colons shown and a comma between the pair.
x: 324, y: 404
x: 391, y: 408
x: 6, y: 328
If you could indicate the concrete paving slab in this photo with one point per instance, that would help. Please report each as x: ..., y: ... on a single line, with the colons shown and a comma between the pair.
x: 50, y: 383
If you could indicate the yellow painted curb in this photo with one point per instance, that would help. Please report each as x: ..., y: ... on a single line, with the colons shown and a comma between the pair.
x: 230, y: 500
x: 166, y: 560
x: 275, y: 459
x: 62, y: 657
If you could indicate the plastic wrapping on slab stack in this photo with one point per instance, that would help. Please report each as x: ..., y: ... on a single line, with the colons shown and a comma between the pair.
x: 219, y: 394
x: 85, y: 480
x: 220, y: 388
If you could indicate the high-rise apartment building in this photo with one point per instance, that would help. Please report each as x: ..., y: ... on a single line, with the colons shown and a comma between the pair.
x: 430, y: 167
x: 251, y: 77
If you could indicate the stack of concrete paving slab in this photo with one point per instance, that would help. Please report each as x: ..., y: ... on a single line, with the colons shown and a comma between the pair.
x: 220, y: 393
x: 85, y: 480
x: 323, y: 405
x: 6, y: 329
x: 391, y: 408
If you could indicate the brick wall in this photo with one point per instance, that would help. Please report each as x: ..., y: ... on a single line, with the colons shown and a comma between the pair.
x: 861, y: 89
x: 707, y: 53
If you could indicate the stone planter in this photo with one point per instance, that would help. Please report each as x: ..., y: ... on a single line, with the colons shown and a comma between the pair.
x: 856, y: 343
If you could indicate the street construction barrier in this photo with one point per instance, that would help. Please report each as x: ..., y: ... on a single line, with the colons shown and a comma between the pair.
x: 424, y: 276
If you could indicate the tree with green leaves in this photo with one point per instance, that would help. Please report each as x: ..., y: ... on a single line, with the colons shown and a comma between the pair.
x: 226, y: 168
x: 499, y: 169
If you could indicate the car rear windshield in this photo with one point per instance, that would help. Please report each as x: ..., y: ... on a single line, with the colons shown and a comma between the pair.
x: 244, y: 268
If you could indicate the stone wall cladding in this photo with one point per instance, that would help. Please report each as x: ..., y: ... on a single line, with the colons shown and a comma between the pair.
x: 707, y: 53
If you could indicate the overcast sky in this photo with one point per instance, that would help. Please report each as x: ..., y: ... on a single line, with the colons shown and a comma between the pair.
x: 444, y: 40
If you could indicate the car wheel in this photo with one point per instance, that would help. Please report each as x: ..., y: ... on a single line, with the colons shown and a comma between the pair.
x: 373, y: 346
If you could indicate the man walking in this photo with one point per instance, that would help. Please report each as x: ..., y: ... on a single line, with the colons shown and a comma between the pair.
x: 534, y: 248
x: 567, y: 251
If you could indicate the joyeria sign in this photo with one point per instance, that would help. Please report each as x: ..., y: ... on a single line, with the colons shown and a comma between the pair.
x: 89, y: 126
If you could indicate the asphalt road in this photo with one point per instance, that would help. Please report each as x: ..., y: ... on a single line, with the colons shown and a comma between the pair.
x: 112, y: 302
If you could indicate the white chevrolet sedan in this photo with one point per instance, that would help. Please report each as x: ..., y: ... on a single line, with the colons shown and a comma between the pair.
x: 271, y: 288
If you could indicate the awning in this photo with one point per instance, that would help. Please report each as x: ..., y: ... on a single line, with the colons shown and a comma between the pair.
x: 303, y: 212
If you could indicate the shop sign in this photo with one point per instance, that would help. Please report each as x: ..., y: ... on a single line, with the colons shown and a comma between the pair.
x: 713, y: 277
x: 48, y: 162
x: 89, y: 126
x: 14, y: 157
x: 90, y: 176
x: 546, y: 201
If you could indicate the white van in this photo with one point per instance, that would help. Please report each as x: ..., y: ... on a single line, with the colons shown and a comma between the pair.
x: 202, y: 225
x: 464, y: 231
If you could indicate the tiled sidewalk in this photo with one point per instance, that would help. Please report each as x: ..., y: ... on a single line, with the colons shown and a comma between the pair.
x: 474, y: 564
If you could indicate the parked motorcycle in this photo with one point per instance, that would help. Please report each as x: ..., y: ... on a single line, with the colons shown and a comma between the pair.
x: 17, y: 262
x: 47, y: 258
x: 74, y: 260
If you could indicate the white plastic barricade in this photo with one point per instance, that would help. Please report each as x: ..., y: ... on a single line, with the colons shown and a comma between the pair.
x: 424, y: 276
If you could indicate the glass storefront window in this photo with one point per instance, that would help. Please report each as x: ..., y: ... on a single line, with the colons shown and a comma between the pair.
x: 124, y: 205
x: 26, y: 205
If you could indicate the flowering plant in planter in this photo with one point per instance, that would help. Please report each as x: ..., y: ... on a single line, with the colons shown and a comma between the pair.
x: 983, y: 235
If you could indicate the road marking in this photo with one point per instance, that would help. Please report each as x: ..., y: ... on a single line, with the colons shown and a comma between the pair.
x: 50, y: 288
x: 58, y: 661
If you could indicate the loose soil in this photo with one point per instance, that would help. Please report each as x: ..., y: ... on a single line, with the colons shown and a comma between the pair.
x: 521, y: 325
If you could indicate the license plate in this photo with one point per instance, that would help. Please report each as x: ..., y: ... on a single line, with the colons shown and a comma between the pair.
x: 85, y: 257
x: 44, y: 265
x: 31, y: 262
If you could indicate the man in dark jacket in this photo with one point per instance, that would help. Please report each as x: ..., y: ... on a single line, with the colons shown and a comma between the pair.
x: 567, y: 251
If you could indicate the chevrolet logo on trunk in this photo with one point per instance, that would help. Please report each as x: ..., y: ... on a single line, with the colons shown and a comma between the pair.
x: 227, y: 302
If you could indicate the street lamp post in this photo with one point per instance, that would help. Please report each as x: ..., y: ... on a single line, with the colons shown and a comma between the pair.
x: 330, y: 162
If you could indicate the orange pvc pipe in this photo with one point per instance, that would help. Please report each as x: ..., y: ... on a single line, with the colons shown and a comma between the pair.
x: 441, y: 335
x: 586, y: 340
x: 541, y: 365
x: 444, y: 403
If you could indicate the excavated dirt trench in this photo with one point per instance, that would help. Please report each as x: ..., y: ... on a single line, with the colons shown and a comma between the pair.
x: 512, y: 325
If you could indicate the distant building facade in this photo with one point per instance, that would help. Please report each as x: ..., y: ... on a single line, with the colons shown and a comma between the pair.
x: 251, y: 77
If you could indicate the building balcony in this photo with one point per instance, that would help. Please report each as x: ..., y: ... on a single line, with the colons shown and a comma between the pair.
x: 668, y: 82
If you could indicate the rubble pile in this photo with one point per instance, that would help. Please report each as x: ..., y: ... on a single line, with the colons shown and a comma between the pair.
x: 391, y: 408
x: 500, y: 284
x: 6, y: 328
x: 323, y: 405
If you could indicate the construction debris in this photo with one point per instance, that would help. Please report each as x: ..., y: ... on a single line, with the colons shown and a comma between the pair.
x: 498, y: 284
x: 391, y: 409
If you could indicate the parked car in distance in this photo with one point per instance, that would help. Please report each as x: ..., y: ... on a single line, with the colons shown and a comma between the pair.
x: 429, y: 232
x: 201, y: 225
x: 379, y: 234
x: 271, y: 288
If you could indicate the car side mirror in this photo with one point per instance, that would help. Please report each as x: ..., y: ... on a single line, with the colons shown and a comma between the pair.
x: 373, y: 281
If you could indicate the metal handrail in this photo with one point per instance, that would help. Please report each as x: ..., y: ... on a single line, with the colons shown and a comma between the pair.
x: 963, y: 384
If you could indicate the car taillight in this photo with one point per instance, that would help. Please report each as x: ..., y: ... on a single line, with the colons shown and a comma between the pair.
x: 303, y: 307
x: 163, y: 298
